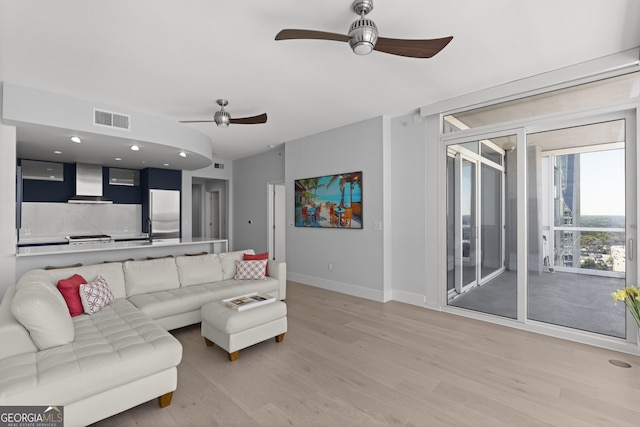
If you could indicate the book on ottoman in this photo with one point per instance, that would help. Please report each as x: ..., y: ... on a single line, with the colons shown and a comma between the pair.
x: 244, y: 302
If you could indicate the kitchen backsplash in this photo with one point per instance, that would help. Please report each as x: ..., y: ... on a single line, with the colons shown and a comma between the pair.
x: 41, y: 220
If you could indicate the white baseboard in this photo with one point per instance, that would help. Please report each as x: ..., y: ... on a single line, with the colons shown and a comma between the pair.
x: 358, y: 291
x: 408, y: 297
x: 343, y: 288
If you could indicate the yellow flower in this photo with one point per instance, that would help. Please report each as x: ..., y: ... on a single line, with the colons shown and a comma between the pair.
x: 619, y: 295
x: 631, y: 298
x: 633, y: 291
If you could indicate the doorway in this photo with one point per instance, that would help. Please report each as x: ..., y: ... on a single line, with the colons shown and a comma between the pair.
x: 196, y: 210
x: 544, y: 230
x: 209, y: 208
x: 585, y: 208
x: 214, y: 217
x: 476, y: 225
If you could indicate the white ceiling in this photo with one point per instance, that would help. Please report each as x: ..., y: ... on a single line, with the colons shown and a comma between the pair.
x: 173, y: 59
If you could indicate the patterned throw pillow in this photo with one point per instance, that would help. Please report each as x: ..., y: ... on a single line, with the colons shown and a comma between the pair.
x: 95, y: 295
x: 250, y: 270
x: 258, y: 257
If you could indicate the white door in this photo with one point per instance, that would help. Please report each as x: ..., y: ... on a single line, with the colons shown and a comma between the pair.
x: 280, y: 224
x: 276, y: 221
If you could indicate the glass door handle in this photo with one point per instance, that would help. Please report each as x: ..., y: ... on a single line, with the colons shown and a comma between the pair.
x: 629, y: 249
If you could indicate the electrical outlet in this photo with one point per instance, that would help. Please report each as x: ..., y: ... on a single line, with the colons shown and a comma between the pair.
x: 330, y: 266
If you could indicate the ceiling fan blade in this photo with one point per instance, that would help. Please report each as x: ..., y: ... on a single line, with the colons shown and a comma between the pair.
x: 262, y: 118
x: 412, y: 48
x: 310, y: 35
x: 196, y: 121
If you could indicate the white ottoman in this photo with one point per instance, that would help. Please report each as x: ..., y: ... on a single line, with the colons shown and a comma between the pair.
x: 234, y: 330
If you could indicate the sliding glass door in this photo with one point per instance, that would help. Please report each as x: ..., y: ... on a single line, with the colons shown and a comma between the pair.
x: 542, y: 227
x: 579, y: 257
x: 566, y: 236
x: 477, y: 231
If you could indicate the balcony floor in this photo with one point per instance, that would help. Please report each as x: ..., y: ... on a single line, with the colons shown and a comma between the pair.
x: 578, y: 301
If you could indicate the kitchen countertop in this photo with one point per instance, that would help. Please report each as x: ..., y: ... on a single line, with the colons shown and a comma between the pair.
x: 109, y: 246
x: 26, y: 241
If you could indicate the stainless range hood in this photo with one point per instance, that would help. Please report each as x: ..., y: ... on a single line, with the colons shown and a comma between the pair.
x: 88, y: 184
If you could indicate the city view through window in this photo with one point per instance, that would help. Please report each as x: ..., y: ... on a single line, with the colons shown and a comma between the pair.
x: 589, y: 211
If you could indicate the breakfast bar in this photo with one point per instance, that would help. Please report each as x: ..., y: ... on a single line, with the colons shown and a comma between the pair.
x: 32, y: 257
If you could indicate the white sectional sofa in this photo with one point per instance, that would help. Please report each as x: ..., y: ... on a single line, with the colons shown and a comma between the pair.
x: 101, y: 364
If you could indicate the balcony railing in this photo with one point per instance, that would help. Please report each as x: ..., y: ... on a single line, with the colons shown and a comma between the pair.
x: 588, y: 250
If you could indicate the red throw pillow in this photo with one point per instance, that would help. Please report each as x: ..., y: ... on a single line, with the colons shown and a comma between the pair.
x: 70, y: 290
x: 259, y: 257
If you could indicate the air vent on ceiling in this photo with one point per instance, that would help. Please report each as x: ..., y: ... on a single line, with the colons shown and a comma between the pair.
x: 111, y: 119
x: 218, y: 165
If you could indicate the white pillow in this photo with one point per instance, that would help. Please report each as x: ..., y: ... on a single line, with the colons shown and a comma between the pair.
x: 250, y: 270
x: 95, y: 295
x: 111, y: 271
x: 143, y: 277
x: 228, y: 260
x: 42, y: 311
x: 199, y: 269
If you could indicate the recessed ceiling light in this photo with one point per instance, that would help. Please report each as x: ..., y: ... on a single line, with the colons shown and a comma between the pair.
x: 165, y: 164
x: 76, y: 139
x: 118, y: 159
x: 135, y: 147
x: 182, y: 154
x: 271, y: 146
x: 57, y: 152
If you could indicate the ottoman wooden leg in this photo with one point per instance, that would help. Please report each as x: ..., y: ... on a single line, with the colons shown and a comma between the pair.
x: 208, y: 342
x: 279, y: 338
x: 234, y: 356
x: 165, y: 400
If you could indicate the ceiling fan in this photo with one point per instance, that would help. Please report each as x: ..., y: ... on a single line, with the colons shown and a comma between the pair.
x: 223, y: 119
x: 363, y: 37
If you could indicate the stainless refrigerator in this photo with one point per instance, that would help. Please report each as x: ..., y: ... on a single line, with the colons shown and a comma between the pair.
x: 164, y: 214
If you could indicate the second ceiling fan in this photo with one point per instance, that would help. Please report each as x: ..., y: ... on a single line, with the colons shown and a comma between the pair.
x: 363, y: 37
x: 222, y: 117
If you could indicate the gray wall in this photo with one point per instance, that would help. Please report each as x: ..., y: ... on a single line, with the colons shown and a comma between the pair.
x: 357, y: 255
x: 408, y: 181
x: 7, y: 206
x: 250, y: 178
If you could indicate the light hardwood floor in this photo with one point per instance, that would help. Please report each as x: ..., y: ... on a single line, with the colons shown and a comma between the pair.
x: 347, y: 361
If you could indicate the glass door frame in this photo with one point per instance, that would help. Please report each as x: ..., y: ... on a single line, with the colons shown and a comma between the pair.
x: 459, y: 259
x: 629, y: 111
x: 521, y: 246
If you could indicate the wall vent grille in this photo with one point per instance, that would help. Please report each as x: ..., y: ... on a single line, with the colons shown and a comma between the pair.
x: 111, y: 119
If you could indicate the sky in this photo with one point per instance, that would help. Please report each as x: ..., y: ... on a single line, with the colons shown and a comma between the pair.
x: 602, y: 183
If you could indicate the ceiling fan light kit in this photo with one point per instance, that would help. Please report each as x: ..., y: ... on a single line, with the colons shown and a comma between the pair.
x: 222, y: 117
x: 363, y: 35
x: 363, y: 32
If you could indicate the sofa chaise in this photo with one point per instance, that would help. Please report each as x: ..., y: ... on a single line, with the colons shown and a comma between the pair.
x: 97, y: 365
